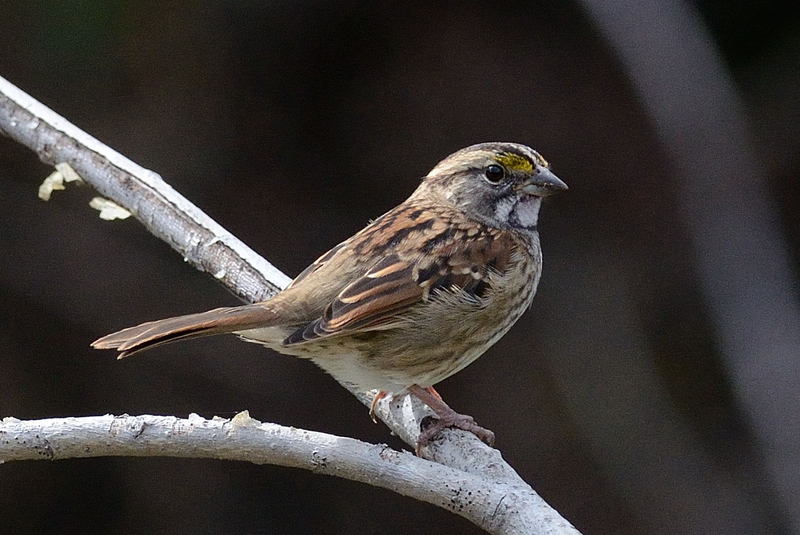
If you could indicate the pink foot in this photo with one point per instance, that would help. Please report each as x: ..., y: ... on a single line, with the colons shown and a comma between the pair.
x: 447, y: 417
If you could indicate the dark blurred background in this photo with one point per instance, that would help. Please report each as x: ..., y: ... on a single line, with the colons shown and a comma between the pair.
x: 652, y: 388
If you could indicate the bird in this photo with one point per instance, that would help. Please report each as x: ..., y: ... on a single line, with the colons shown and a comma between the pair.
x: 411, y: 299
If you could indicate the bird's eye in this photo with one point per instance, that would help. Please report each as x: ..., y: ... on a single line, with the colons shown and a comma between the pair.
x: 494, y: 173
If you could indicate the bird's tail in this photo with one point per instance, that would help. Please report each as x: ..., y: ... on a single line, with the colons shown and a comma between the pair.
x: 155, y: 333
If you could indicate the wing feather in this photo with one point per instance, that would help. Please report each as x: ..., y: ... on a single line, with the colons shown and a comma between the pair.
x: 379, y: 298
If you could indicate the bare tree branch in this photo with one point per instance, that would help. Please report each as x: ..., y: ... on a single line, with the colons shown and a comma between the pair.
x: 209, y: 247
x: 162, y: 210
x: 246, y: 439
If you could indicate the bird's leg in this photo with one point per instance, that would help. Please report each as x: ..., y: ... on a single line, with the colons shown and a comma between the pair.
x: 372, y: 406
x: 447, y: 417
x: 432, y: 391
x: 383, y: 393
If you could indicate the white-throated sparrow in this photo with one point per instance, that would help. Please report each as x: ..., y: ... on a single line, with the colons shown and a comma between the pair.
x: 415, y: 296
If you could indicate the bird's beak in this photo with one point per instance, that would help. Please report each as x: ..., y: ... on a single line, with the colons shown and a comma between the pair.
x: 543, y: 183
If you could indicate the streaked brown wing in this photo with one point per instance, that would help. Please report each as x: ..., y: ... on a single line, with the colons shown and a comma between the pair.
x: 379, y: 297
x: 370, y: 300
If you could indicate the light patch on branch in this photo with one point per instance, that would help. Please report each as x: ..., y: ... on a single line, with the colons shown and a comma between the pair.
x: 242, y: 419
x: 55, y: 181
x: 109, y: 210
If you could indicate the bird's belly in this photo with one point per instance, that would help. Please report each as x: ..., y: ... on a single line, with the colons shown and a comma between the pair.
x: 432, y: 342
x: 438, y: 343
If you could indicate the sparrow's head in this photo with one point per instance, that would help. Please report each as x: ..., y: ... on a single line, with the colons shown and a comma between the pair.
x: 499, y: 184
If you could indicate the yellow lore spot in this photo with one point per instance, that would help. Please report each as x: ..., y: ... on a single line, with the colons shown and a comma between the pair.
x: 514, y: 162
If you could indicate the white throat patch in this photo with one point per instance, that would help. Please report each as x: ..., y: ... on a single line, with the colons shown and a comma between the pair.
x: 502, y: 210
x: 526, y: 211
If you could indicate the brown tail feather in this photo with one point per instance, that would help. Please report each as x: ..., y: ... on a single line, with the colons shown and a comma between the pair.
x: 155, y: 333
